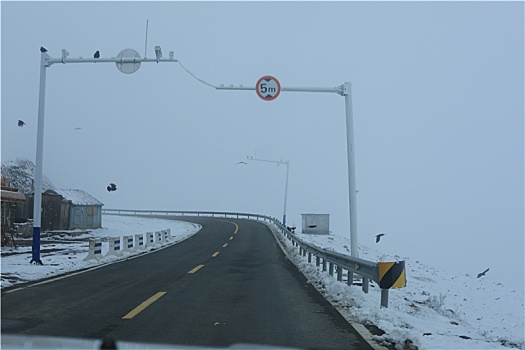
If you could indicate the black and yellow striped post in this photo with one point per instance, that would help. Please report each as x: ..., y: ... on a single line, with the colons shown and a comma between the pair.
x: 391, y: 275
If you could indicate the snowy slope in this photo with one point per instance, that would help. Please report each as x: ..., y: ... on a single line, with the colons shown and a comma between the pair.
x: 21, y: 173
x: 437, y: 309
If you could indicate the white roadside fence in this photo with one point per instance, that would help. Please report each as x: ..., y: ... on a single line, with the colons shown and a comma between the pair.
x: 130, y: 244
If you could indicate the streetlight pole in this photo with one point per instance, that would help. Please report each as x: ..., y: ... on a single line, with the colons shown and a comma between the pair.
x: 346, y: 91
x: 128, y: 61
x: 287, y: 163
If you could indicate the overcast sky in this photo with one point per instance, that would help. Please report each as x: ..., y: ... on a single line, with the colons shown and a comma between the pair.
x: 437, y: 103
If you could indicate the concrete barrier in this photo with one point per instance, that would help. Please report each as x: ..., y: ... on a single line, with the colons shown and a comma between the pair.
x: 167, y: 235
x: 150, y: 239
x: 114, y: 246
x: 139, y: 242
x: 159, y: 238
x: 118, y: 245
x: 95, y: 249
x: 128, y: 244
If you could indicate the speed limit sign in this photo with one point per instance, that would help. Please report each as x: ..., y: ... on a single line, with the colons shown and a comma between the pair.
x: 268, y: 88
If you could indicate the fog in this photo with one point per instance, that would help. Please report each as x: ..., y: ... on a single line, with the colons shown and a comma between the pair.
x: 437, y: 90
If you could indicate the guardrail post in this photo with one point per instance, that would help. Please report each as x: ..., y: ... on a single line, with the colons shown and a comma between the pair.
x: 339, y: 273
x: 365, y: 284
x: 317, y: 261
x: 384, y: 298
x: 331, y: 269
x: 324, y: 264
x: 309, y: 257
x: 350, y: 278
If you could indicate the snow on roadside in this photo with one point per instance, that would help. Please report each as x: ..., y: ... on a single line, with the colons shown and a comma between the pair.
x: 437, y: 309
x: 62, y: 253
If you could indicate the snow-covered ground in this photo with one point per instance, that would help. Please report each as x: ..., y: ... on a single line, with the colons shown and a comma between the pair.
x: 62, y: 253
x: 437, y: 309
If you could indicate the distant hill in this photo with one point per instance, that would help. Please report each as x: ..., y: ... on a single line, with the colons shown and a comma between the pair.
x: 21, y: 173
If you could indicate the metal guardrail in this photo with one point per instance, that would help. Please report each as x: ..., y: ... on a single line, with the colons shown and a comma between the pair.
x: 331, y: 261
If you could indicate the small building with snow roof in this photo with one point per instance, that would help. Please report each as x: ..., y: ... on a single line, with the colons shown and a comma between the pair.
x: 85, y: 211
x: 68, y: 210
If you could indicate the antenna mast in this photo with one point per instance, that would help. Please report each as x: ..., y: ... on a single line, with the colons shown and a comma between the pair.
x: 146, y: 44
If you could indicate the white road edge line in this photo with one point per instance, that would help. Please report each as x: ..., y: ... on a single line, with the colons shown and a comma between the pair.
x: 369, y: 337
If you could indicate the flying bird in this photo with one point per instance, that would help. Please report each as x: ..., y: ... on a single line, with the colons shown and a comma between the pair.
x: 378, y: 237
x: 21, y: 123
x: 97, y: 54
x: 78, y: 128
x: 112, y: 187
x: 312, y: 226
x: 241, y: 163
x: 43, y: 49
x: 482, y: 273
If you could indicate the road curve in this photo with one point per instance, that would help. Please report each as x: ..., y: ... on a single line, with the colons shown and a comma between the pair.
x: 228, y: 284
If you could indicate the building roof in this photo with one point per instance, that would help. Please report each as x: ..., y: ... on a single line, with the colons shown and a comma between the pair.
x: 12, y: 196
x: 78, y: 197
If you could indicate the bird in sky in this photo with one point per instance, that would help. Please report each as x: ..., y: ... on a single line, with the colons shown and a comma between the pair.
x: 241, y: 163
x: 112, y: 187
x: 312, y: 226
x: 481, y: 274
x: 378, y: 237
x: 43, y: 49
x: 97, y: 54
x: 21, y: 123
x: 77, y: 128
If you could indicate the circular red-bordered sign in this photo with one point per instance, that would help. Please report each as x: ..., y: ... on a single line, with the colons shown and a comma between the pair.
x: 268, y: 88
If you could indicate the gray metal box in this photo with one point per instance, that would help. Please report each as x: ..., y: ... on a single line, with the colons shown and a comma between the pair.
x: 317, y: 224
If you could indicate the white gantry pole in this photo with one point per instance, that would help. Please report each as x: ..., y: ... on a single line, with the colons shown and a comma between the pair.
x: 128, y: 61
x: 37, y: 204
x: 269, y: 84
x: 352, y: 201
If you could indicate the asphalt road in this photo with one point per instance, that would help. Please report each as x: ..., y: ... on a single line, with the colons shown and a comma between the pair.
x: 228, y: 284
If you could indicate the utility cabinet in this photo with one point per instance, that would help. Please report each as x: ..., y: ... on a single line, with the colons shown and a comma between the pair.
x: 317, y: 224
